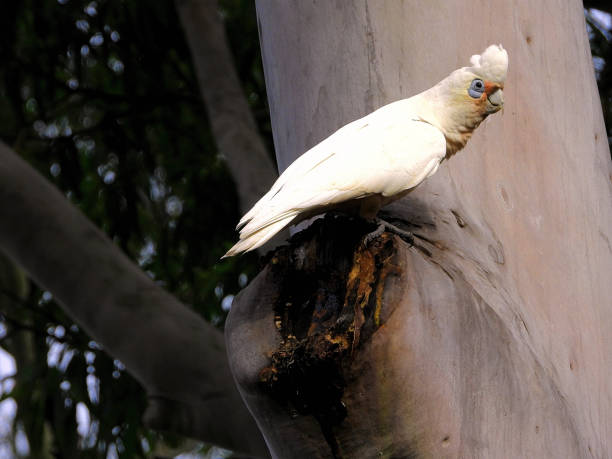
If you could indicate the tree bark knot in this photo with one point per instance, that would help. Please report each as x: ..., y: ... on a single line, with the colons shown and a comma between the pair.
x: 330, y: 302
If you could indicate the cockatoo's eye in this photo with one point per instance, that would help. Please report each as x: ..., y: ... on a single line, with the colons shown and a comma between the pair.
x: 476, y: 88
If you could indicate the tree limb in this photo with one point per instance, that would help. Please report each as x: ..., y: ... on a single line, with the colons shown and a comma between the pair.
x: 230, y: 117
x: 174, y: 353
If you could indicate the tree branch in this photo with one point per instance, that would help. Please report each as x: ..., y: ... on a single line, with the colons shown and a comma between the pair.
x: 174, y: 353
x: 230, y: 117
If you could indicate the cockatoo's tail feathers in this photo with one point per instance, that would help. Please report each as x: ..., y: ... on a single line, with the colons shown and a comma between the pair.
x: 258, y: 238
x: 491, y: 65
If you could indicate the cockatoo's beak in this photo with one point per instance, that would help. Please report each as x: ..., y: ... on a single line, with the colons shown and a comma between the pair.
x: 495, y: 101
x: 495, y: 96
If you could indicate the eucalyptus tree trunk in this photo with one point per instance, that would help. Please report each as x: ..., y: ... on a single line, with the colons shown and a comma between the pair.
x: 491, y: 336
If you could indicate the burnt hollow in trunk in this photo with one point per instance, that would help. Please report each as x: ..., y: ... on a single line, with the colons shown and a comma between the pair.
x: 328, y: 304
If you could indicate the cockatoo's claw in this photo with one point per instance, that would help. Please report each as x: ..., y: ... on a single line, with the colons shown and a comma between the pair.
x: 374, y: 234
x: 386, y: 226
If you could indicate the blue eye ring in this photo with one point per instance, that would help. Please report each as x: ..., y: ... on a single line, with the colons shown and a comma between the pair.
x: 476, y: 88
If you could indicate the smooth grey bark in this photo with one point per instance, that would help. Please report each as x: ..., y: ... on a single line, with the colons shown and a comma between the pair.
x: 498, y: 345
x: 178, y: 358
x: 230, y: 116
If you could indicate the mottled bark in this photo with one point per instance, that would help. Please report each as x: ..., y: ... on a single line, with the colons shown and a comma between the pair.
x: 178, y: 358
x: 230, y: 116
x: 496, y: 338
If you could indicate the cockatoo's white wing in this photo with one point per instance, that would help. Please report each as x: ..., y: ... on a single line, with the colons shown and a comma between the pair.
x: 384, y: 154
x: 301, y: 166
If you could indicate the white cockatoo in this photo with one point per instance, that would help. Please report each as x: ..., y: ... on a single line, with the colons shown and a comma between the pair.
x: 379, y: 158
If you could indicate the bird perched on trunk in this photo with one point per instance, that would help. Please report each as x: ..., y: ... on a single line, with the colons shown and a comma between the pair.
x: 379, y: 158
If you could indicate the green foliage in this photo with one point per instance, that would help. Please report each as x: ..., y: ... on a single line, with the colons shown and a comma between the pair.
x: 101, y: 97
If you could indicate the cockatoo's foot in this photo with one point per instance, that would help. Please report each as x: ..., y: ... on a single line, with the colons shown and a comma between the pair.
x: 386, y: 226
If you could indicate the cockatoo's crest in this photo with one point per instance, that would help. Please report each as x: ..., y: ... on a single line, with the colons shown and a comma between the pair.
x: 491, y: 65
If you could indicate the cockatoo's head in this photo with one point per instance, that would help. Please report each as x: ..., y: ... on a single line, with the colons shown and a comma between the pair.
x: 470, y: 94
x: 486, y: 78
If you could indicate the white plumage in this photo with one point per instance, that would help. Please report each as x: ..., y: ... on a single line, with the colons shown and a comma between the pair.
x: 380, y: 157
